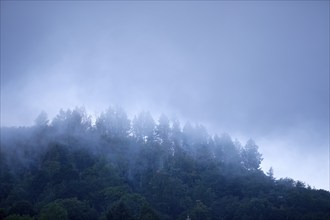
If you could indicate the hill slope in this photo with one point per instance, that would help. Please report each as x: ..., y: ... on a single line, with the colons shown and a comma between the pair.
x: 115, y: 168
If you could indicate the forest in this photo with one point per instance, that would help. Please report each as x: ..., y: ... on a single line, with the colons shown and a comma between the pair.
x: 113, y: 168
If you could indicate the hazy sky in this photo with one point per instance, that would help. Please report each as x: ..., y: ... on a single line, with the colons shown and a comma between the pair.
x: 254, y: 69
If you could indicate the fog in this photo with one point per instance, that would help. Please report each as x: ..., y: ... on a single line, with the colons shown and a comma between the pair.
x: 255, y: 70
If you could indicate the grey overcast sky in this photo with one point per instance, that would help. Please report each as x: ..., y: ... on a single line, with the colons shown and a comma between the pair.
x: 253, y: 69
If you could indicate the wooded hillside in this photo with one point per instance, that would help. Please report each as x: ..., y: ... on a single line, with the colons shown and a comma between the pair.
x: 117, y: 168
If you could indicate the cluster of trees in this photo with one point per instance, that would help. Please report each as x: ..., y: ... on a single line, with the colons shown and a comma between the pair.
x: 113, y: 168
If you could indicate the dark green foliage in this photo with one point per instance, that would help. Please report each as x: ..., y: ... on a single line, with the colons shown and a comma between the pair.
x: 78, y: 210
x: 147, y: 213
x: 119, y: 211
x: 18, y: 217
x: 200, y: 211
x: 53, y: 211
x: 71, y: 169
x: 22, y: 208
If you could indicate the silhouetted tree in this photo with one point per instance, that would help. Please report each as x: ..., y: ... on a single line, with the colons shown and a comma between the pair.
x: 251, y: 157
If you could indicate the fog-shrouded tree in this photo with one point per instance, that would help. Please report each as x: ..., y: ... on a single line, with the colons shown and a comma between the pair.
x: 176, y: 133
x: 74, y: 122
x: 226, y: 150
x: 187, y: 136
x: 270, y: 173
x: 163, y: 130
x: 143, y: 127
x: 251, y: 157
x: 41, y: 120
x: 113, y: 123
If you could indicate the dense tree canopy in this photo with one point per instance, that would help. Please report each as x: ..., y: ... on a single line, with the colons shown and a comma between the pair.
x: 115, y: 168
